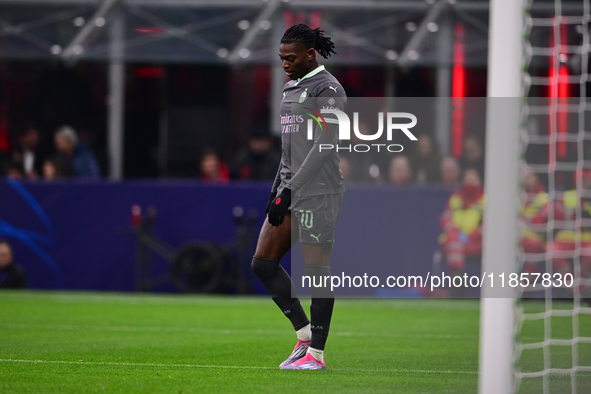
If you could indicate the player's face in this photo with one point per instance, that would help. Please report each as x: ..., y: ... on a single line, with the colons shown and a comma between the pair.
x: 296, y: 59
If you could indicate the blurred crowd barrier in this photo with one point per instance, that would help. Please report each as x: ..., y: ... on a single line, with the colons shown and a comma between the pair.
x: 78, y: 235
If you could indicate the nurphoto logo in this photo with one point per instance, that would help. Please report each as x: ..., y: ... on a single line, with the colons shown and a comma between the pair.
x: 394, y: 121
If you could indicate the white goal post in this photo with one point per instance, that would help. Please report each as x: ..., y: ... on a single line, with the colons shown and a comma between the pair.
x: 501, y: 188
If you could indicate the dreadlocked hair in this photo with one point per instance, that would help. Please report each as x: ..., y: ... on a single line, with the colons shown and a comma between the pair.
x: 311, y: 38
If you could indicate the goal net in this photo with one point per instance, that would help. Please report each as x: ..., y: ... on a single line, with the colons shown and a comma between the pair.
x: 553, y: 316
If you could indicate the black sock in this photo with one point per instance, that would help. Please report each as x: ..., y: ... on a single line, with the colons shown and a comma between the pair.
x: 322, y: 304
x: 281, y: 287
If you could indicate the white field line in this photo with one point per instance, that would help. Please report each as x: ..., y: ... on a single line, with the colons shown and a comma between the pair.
x: 230, y: 301
x: 400, y: 371
x: 66, y: 327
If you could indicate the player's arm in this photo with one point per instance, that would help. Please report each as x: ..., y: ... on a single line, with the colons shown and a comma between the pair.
x: 273, y: 194
x: 277, y: 181
x: 312, y: 163
x: 315, y: 158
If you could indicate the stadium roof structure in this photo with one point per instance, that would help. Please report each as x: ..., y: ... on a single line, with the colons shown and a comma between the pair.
x: 367, y: 32
x: 236, y: 31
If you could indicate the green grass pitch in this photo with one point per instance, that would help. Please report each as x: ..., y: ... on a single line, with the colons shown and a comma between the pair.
x: 62, y: 342
x: 81, y: 342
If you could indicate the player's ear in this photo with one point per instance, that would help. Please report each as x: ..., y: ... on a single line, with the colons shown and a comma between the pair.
x: 310, y: 54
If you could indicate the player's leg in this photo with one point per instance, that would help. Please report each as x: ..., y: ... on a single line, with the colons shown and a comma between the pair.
x: 273, y: 244
x: 317, y: 226
x: 274, y: 241
x: 316, y: 266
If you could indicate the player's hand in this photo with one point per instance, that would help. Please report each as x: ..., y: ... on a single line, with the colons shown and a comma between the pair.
x: 271, y: 198
x: 279, y: 207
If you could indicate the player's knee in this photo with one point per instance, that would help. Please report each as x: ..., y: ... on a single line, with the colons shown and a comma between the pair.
x: 264, y: 268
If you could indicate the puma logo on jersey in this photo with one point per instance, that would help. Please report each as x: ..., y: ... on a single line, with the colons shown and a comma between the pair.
x: 333, y: 88
x: 316, y: 237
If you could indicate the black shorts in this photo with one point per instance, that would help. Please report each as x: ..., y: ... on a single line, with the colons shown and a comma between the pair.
x: 316, y: 217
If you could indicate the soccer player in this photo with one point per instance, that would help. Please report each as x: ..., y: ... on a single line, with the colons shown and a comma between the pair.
x: 307, y: 194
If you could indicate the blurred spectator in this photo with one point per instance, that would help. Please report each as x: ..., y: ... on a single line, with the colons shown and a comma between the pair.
x: 533, y: 214
x: 12, y: 276
x: 75, y: 154
x: 473, y: 155
x: 258, y: 161
x: 212, y: 169
x: 425, y: 161
x: 14, y: 170
x: 29, y: 154
x: 574, y: 211
x: 400, y: 173
x: 461, y: 222
x: 364, y: 166
x: 450, y: 172
x: 54, y: 169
